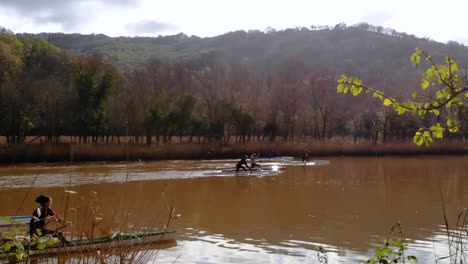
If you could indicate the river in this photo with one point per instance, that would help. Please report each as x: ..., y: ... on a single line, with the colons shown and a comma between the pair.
x: 345, y: 205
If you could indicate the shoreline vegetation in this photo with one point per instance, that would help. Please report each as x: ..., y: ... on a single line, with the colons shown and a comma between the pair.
x: 82, y: 152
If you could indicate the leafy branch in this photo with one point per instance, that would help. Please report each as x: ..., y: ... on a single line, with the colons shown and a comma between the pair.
x: 450, y: 103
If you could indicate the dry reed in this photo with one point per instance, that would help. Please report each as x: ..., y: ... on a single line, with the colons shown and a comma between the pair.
x: 66, y: 152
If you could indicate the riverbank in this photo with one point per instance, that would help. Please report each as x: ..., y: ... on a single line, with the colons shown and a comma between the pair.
x: 71, y: 152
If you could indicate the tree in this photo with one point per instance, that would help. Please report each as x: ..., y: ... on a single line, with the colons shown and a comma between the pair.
x: 94, y: 82
x: 50, y: 71
x: 12, y: 108
x: 18, y: 87
x: 444, y: 94
x: 183, y: 111
x: 209, y: 73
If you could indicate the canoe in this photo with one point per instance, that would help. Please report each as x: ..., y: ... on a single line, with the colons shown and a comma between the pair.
x: 278, y: 159
x: 117, y: 241
x: 306, y: 163
x: 262, y: 168
x: 242, y: 173
x: 7, y: 221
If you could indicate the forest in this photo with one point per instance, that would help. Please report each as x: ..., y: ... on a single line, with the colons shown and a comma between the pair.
x: 237, y: 87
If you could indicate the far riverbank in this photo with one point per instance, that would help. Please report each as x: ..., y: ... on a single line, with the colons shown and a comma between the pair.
x: 76, y: 152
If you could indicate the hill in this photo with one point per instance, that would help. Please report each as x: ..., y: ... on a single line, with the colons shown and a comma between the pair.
x: 361, y: 45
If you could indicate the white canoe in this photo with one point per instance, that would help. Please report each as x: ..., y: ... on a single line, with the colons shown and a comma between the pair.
x: 6, y: 221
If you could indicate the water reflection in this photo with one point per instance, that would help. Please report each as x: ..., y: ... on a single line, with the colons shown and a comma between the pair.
x: 345, y: 207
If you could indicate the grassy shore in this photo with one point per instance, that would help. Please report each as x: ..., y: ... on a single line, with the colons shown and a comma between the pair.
x: 66, y: 152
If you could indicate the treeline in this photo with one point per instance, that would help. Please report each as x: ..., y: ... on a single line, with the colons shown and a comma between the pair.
x: 259, y: 90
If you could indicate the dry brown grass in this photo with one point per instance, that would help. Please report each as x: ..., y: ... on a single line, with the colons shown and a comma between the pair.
x: 121, y: 152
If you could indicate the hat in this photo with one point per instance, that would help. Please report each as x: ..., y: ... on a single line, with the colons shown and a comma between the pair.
x: 42, y: 199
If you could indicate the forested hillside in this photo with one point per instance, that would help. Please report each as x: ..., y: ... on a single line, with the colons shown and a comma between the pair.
x: 248, y: 85
x: 362, y: 43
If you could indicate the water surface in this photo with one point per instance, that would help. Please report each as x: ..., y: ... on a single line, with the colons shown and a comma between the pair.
x: 346, y: 207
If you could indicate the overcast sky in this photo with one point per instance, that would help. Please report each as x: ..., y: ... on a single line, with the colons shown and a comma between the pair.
x: 440, y: 21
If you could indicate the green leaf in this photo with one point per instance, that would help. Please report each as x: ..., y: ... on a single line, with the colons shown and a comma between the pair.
x: 340, y: 88
x: 430, y: 73
x: 466, y: 94
x: 52, y: 241
x: 356, y: 90
x: 449, y: 122
x: 418, y: 139
x: 399, y: 109
x: 425, y: 84
x: 427, y: 138
x: 449, y: 104
x: 453, y: 66
x: 346, y: 89
x: 377, y: 95
x: 441, y: 94
x: 41, y: 245
x: 20, y: 255
x: 6, y: 219
x: 453, y: 129
x: 6, y: 247
x: 435, y: 111
x: 415, y: 95
x: 437, y: 131
x: 415, y: 59
x: 412, y: 258
x: 342, y: 78
x: 387, y: 102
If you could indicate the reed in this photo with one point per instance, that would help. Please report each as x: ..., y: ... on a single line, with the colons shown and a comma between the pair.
x: 66, y: 152
x: 113, y: 252
x: 457, y: 236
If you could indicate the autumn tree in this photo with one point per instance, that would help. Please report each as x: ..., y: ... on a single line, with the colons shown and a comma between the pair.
x: 50, y: 70
x: 14, y: 119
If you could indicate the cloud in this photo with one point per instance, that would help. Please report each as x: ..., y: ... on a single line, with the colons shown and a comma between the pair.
x: 35, y: 5
x: 68, y: 14
x: 149, y: 27
x: 377, y: 18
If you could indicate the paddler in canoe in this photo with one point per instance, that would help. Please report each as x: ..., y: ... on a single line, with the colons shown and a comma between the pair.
x: 43, y: 215
x: 243, y: 161
x: 253, y: 161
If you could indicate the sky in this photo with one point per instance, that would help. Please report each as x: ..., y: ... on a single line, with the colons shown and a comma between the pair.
x: 438, y: 20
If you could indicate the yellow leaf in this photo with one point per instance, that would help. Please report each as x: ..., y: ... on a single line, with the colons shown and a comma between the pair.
x: 387, y: 102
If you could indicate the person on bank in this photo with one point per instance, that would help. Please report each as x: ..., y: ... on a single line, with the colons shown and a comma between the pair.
x: 43, y: 215
x: 305, y: 155
x: 242, y: 162
x: 253, y: 161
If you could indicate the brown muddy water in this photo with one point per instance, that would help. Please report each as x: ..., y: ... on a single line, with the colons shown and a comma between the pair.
x: 346, y: 206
